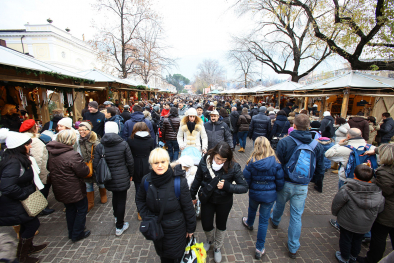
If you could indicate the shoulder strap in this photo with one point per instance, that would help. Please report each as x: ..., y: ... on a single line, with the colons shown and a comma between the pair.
x: 50, y: 125
x: 177, y: 187
x: 91, y: 153
x: 284, y: 126
x: 172, y: 126
x: 313, y: 144
x: 296, y: 140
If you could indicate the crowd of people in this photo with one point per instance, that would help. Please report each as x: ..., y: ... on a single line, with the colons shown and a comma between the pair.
x: 179, y: 155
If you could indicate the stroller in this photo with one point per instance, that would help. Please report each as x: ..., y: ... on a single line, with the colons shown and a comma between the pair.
x: 190, y: 157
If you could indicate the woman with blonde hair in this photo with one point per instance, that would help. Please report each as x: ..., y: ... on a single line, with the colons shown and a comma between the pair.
x: 265, y: 178
x: 67, y: 170
x: 157, y: 192
x: 10, y: 118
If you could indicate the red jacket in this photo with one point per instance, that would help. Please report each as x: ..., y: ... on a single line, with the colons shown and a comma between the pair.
x: 165, y: 112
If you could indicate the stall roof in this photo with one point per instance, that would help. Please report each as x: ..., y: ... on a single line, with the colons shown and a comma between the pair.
x: 100, y: 76
x: 283, y: 86
x: 352, y: 79
x: 14, y: 58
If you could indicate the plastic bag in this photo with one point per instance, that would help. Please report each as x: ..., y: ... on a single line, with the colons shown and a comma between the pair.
x: 194, y: 252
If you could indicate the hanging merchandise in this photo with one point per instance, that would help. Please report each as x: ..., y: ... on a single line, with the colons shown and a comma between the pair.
x: 44, y: 96
x: 61, y: 98
x: 70, y: 99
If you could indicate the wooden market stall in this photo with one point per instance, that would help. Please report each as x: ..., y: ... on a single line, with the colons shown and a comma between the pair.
x: 30, y: 85
x: 350, y: 93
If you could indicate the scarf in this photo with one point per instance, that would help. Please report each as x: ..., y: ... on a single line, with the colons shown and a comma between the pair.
x: 82, y: 139
x: 191, y: 126
x: 159, y: 180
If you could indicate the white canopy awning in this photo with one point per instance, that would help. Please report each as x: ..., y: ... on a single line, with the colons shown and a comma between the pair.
x: 352, y: 79
x: 283, y: 86
x: 100, y: 76
x: 10, y: 57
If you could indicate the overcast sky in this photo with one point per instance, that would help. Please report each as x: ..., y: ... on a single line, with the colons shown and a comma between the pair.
x: 196, y: 29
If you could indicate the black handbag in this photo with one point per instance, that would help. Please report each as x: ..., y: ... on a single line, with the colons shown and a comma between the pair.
x: 151, y: 227
x: 275, y: 140
x: 103, y: 174
x: 205, y: 192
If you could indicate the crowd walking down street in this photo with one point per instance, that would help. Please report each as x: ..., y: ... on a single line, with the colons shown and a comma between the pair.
x: 249, y: 183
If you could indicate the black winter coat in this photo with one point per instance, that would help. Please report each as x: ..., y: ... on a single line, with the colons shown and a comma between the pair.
x: 259, y: 126
x: 234, y: 120
x: 287, y: 110
x: 140, y: 148
x: 327, y: 124
x: 254, y: 112
x: 119, y: 160
x: 125, y: 115
x: 226, y: 120
x: 14, y: 188
x: 179, y: 217
x: 54, y: 124
x: 387, y: 129
x: 220, y: 196
x: 281, y: 126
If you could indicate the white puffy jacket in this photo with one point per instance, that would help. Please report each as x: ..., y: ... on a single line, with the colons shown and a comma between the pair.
x: 39, y: 152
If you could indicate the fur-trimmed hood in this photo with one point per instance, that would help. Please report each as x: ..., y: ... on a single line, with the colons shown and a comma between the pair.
x: 185, y: 119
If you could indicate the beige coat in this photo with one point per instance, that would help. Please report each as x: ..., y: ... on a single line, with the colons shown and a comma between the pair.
x: 39, y: 152
x: 373, y: 131
x: 186, y: 139
x: 340, y: 153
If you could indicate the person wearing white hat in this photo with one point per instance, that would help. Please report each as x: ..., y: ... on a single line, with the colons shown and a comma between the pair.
x: 121, y: 165
x: 327, y: 124
x: 217, y: 131
x: 188, y: 165
x: 191, y: 132
x: 18, y: 181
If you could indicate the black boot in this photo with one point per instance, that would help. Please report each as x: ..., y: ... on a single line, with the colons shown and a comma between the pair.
x: 46, y: 211
x: 23, y: 251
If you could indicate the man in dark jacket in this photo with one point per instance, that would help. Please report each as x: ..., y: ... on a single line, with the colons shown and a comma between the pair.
x: 234, y: 120
x: 281, y: 125
x: 287, y: 109
x: 136, y: 116
x: 362, y: 124
x: 292, y: 191
x: 126, y: 113
x: 387, y: 128
x: 57, y: 116
x: 260, y: 125
x: 169, y: 133
x: 96, y: 118
x: 217, y: 131
x: 254, y: 111
x: 110, y: 115
x: 327, y: 124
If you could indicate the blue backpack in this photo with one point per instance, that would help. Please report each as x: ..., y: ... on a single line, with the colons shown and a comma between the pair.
x: 355, y: 159
x: 302, y: 163
x: 177, y: 186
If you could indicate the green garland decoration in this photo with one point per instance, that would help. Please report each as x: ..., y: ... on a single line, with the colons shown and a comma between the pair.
x: 141, y: 87
x: 53, y: 74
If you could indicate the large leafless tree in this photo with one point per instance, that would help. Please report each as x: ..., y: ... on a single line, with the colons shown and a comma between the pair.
x: 244, y: 63
x: 209, y: 71
x: 283, y: 37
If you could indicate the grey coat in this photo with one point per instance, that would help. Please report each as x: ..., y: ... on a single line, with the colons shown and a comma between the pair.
x: 357, y: 205
x: 217, y: 132
x: 385, y: 180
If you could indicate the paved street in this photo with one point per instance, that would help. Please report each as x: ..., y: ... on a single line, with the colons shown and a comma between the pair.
x: 319, y: 240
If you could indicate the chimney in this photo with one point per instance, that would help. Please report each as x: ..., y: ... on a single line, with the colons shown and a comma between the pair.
x: 3, y: 43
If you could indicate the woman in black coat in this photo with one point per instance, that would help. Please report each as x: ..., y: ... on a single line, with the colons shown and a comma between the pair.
x: 141, y: 144
x: 16, y: 185
x: 281, y: 125
x: 179, y: 217
x: 121, y: 165
x: 226, y: 119
x: 218, y: 170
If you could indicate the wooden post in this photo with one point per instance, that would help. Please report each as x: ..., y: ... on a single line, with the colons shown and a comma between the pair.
x: 279, y: 95
x: 306, y: 103
x: 345, y: 103
x: 74, y: 106
x: 323, y: 107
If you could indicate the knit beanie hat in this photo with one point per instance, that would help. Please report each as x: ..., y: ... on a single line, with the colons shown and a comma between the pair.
x: 191, y: 112
x: 16, y: 139
x: 86, y: 124
x: 326, y: 113
x: 27, y: 125
x: 111, y: 127
x: 263, y: 109
x: 156, y: 108
x: 66, y: 122
x: 93, y: 104
x: 186, y: 161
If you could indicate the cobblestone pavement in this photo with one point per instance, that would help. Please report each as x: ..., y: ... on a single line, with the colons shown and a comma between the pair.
x: 319, y: 240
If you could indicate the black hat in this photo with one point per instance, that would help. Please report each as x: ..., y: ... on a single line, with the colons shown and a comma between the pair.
x: 289, y: 104
x: 315, y: 125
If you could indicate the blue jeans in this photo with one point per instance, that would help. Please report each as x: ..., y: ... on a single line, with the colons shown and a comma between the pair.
x: 90, y: 188
x: 242, y: 138
x: 76, y: 218
x: 173, y: 150
x: 265, y: 209
x: 296, y: 193
x: 235, y: 139
x: 340, y: 183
